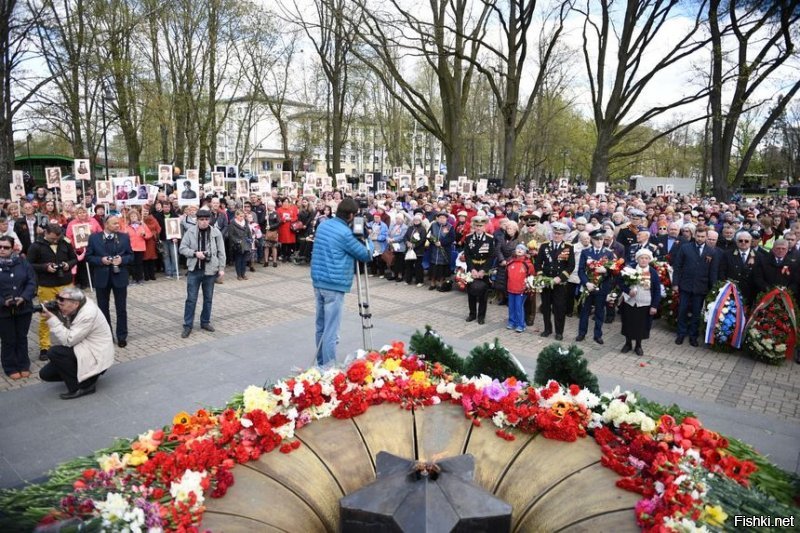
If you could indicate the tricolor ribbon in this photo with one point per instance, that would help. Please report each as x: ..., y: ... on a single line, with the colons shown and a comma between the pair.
x: 729, y: 291
x: 783, y: 297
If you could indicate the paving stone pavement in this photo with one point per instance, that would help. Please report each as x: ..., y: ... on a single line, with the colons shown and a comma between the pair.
x: 267, y: 323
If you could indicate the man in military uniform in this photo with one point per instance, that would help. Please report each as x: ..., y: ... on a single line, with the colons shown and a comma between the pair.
x: 627, y: 233
x: 555, y: 260
x: 478, y: 254
x: 597, y: 293
x: 642, y: 241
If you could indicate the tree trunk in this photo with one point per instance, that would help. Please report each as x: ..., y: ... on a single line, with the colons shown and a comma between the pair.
x: 600, y: 157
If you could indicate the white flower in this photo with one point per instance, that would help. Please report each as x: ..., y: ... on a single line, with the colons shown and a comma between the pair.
x: 113, y: 509
x: 286, y: 431
x: 246, y: 422
x: 499, y: 419
x: 189, y: 483
x: 298, y: 389
x: 436, y: 400
x: 257, y: 398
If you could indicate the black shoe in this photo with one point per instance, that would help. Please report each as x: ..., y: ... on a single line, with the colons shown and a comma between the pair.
x: 43, y: 355
x: 481, y: 321
x: 679, y: 340
x: 609, y: 320
x: 432, y: 288
x: 122, y: 343
x: 529, y: 322
x: 693, y: 342
x: 580, y: 337
x: 207, y: 327
x: 598, y: 340
x: 559, y: 337
x: 77, y: 393
x: 627, y: 348
x: 545, y: 333
x: 470, y: 318
x: 186, y: 332
x: 638, y: 351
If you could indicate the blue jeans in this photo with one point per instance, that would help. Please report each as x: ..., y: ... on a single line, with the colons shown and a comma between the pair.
x: 194, y: 280
x: 170, y: 251
x: 240, y: 260
x: 516, y: 310
x: 329, y: 317
x: 689, y: 301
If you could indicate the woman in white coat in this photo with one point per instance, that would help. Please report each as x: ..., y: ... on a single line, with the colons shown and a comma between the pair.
x: 84, y: 347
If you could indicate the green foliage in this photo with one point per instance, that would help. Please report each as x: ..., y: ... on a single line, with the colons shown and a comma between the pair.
x: 737, y: 500
x: 781, y: 485
x: 654, y: 410
x: 494, y: 361
x: 431, y: 345
x: 565, y: 365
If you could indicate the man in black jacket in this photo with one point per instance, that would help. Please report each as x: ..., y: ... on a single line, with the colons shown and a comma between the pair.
x: 52, y: 258
x: 777, y: 268
x: 737, y: 266
x: 694, y: 273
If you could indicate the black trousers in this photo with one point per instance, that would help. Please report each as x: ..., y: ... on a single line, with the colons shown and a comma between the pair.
x: 136, y: 267
x: 414, y: 271
x: 120, y: 305
x: 554, y: 304
x: 477, y: 304
x: 63, y: 366
x: 14, y: 343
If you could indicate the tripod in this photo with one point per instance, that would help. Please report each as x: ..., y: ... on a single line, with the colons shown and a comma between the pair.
x: 362, y: 287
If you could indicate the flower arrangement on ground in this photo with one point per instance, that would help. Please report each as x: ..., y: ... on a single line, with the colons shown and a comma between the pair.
x: 724, y: 317
x: 771, y: 331
x: 160, y: 481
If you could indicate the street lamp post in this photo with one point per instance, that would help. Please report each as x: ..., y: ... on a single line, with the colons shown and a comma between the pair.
x: 107, y: 97
x: 30, y: 163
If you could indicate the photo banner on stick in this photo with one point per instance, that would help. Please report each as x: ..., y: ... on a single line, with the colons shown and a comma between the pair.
x: 82, y: 170
x: 188, y: 192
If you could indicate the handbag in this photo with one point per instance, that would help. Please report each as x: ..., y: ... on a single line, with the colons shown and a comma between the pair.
x: 388, y: 257
x: 297, y: 226
x: 272, y: 235
x: 411, y: 255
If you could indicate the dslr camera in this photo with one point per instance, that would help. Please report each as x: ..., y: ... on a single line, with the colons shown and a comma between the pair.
x: 114, y: 268
x: 50, y: 305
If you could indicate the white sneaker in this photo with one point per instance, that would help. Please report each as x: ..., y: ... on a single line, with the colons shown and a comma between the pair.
x: 420, y: 284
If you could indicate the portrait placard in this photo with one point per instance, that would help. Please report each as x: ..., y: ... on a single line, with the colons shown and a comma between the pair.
x: 438, y: 181
x: 600, y: 187
x: 231, y: 173
x: 173, y: 228
x: 193, y: 174
x: 68, y: 191
x: 82, y: 170
x: 17, y: 185
x: 362, y: 187
x: 308, y: 189
x: 422, y: 181
x: 453, y: 186
x: 369, y: 179
x: 483, y: 185
x: 341, y: 180
x: 264, y: 184
x: 563, y: 183
x: 405, y: 182
x: 461, y: 180
x: 103, y: 192
x: 217, y: 181
x: 286, y: 179
x: 165, y: 173
x: 53, y: 175
x: 466, y: 187
x: 669, y: 188
x: 242, y: 188
x: 189, y: 192
x: 80, y: 235
x: 381, y: 187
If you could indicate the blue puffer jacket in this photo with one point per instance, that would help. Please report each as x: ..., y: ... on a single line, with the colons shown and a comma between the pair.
x: 335, y: 248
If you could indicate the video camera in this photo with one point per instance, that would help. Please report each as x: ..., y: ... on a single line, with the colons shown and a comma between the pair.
x: 50, y: 305
x: 359, y: 221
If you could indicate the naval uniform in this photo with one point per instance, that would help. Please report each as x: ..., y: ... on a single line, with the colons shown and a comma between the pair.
x: 555, y: 260
x: 478, y: 254
x: 596, y: 298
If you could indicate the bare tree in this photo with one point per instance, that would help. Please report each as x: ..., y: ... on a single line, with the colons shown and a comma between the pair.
x: 448, y: 38
x: 763, y: 35
x: 623, y: 58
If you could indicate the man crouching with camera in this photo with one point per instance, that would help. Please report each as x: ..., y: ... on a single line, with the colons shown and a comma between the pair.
x: 85, y: 347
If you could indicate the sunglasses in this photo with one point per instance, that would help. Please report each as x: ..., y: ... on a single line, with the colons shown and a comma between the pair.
x: 662, y: 229
x: 742, y: 240
x: 61, y: 299
x: 2, y: 247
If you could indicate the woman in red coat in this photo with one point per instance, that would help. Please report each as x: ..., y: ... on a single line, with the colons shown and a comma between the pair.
x: 151, y: 255
x: 287, y: 214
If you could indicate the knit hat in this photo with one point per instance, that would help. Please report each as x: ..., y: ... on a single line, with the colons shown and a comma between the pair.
x: 521, y: 247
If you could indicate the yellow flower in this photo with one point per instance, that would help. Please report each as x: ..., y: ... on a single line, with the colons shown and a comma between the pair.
x: 419, y: 376
x: 391, y: 364
x: 135, y: 458
x: 109, y: 463
x: 714, y: 515
x: 181, y: 418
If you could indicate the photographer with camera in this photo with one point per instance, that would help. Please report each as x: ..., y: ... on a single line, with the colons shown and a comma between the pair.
x: 85, y: 347
x: 109, y: 253
x: 17, y: 288
x: 336, y: 246
x: 52, y: 258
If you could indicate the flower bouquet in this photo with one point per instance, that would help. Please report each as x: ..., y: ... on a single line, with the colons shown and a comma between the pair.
x: 463, y: 278
x: 634, y: 277
x: 597, y: 272
x: 771, y: 332
x: 537, y: 283
x: 724, y: 318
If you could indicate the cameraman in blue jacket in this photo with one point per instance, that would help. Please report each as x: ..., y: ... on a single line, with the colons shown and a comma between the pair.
x: 332, y: 266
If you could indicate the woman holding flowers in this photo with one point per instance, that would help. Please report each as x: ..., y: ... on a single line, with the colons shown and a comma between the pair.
x: 642, y: 294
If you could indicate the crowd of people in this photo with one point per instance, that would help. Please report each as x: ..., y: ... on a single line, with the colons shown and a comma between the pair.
x: 490, y: 245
